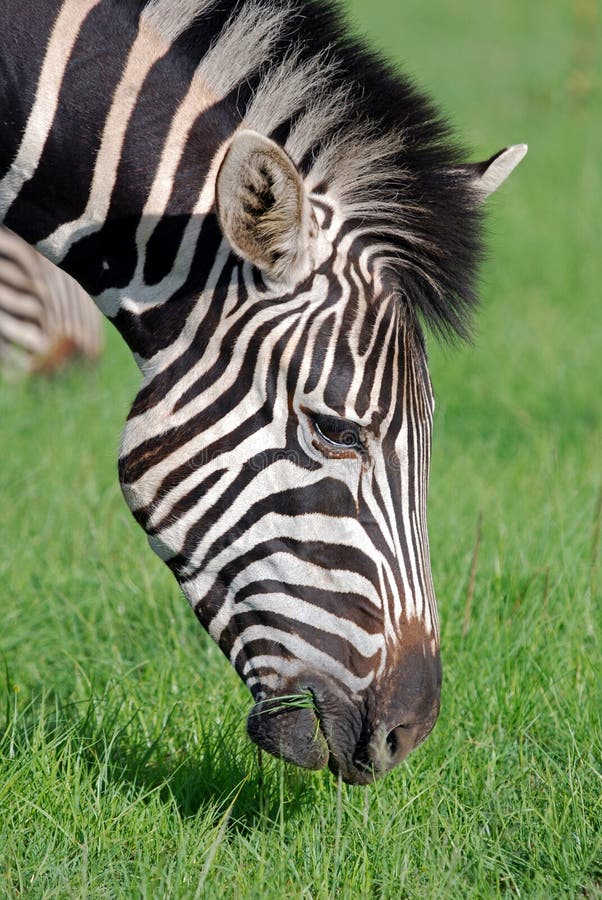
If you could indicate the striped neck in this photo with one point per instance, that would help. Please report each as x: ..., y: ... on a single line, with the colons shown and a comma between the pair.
x: 124, y: 210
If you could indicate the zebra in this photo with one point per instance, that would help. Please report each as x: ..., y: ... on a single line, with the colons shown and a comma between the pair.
x: 46, y: 319
x: 271, y: 216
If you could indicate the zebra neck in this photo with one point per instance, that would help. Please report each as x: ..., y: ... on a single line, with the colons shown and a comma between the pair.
x: 113, y: 176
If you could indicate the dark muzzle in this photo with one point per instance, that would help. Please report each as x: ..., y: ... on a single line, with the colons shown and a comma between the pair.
x: 312, y: 722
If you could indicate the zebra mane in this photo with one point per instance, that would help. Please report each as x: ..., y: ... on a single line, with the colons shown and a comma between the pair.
x: 357, y: 129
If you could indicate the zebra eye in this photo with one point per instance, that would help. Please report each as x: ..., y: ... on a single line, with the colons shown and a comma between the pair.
x: 339, y: 433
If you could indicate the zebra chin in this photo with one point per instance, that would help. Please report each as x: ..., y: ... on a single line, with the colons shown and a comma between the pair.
x: 348, y: 734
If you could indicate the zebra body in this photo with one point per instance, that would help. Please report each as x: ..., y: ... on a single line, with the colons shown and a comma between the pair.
x: 263, y: 209
x: 46, y: 319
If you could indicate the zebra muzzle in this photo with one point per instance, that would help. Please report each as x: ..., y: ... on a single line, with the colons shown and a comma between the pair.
x: 312, y: 722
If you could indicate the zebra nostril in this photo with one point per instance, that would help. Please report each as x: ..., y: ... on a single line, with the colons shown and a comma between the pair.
x: 395, y: 737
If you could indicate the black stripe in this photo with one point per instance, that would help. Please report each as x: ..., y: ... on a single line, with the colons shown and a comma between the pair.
x: 318, y: 553
x: 346, y: 605
x: 26, y: 24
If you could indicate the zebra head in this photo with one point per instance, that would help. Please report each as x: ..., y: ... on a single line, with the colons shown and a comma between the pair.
x: 277, y: 454
x: 277, y: 457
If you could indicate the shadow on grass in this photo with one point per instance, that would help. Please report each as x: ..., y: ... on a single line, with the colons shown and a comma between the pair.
x: 219, y: 773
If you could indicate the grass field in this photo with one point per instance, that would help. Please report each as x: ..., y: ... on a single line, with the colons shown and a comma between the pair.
x: 124, y: 766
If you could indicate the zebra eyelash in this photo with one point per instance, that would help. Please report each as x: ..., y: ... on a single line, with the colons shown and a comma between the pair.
x: 336, y: 437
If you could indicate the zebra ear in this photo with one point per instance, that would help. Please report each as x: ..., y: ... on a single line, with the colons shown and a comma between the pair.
x: 262, y: 206
x: 489, y: 175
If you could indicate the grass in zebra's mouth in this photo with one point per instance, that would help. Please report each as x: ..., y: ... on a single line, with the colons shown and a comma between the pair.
x: 303, y: 700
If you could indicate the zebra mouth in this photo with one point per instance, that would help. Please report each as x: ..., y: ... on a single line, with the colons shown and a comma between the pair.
x: 290, y: 732
x: 320, y: 733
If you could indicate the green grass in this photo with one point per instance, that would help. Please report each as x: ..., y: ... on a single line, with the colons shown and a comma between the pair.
x: 124, y: 766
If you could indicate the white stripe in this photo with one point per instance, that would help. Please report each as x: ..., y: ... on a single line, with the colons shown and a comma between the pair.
x: 299, y: 610
x: 312, y: 657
